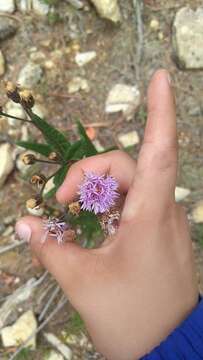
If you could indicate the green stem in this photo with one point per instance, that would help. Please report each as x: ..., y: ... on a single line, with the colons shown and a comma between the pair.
x: 48, y: 162
x: 14, y: 117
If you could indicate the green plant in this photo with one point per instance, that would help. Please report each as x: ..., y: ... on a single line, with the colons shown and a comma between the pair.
x: 24, y: 354
x: 58, y: 151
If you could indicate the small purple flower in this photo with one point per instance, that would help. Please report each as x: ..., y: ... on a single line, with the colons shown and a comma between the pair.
x: 98, y: 193
x: 56, y: 228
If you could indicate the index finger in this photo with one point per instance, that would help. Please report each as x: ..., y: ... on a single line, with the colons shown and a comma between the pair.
x: 115, y: 163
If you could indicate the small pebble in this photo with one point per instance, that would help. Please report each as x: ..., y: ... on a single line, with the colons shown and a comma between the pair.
x: 129, y: 139
x: 84, y: 58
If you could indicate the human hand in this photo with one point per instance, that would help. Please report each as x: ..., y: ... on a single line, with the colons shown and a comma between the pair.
x: 135, y: 289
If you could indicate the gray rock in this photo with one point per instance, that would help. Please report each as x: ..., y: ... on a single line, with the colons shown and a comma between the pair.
x: 20, y: 295
x: 123, y: 98
x: 59, y: 345
x: 2, y: 64
x: 108, y: 9
x: 30, y: 75
x: 40, y: 8
x: 19, y: 332
x: 7, y: 6
x: 6, y: 162
x: 188, y: 38
x: 8, y: 28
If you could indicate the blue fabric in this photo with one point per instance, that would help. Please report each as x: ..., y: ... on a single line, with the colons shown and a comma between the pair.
x: 185, y: 342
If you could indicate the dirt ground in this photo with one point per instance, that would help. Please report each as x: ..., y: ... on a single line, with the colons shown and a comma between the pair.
x: 116, y: 62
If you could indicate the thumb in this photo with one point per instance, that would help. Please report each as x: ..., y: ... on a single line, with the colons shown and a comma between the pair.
x: 65, y: 262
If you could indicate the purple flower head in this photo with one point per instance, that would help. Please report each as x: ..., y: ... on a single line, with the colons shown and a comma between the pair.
x: 98, y: 193
x: 56, y: 228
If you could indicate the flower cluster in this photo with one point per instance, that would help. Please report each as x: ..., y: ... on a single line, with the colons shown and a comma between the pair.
x: 98, y: 193
x: 55, y: 228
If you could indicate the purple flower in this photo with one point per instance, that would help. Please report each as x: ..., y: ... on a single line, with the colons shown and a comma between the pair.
x: 98, y: 192
x: 56, y: 228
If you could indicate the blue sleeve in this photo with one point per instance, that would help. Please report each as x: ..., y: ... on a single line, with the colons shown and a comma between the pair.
x: 185, y: 342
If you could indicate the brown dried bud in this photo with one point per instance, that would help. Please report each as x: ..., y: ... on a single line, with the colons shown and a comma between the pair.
x: 12, y: 92
x: 38, y: 179
x: 53, y: 156
x: 29, y: 159
x: 34, y: 202
x: 26, y: 98
x: 74, y: 208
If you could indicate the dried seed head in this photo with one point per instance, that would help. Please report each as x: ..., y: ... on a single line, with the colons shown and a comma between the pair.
x: 29, y: 159
x: 53, y: 156
x: 12, y: 92
x: 38, y: 179
x: 26, y: 98
x: 34, y: 202
x: 74, y: 208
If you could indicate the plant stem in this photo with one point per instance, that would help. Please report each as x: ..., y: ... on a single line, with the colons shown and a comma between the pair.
x: 48, y: 162
x: 14, y: 117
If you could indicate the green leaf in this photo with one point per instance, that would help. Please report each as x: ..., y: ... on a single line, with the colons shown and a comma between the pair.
x: 76, y: 151
x: 53, y: 136
x: 89, y: 148
x: 58, y: 180
x: 43, y: 149
x: 89, y: 225
x: 60, y: 176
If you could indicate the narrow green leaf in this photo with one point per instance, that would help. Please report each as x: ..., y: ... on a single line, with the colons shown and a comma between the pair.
x: 43, y: 149
x: 89, y: 148
x: 58, y: 180
x: 53, y: 136
x: 60, y: 176
x: 75, y: 151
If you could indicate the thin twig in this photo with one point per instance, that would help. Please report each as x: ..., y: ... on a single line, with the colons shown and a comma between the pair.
x: 95, y: 125
x: 138, y: 6
x: 51, y: 299
x: 4, y: 249
x: 43, y: 324
x: 14, y: 117
x: 48, y: 162
x: 64, y: 96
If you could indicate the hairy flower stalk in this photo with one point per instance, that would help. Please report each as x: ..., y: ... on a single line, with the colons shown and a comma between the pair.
x: 98, y: 193
x: 55, y: 228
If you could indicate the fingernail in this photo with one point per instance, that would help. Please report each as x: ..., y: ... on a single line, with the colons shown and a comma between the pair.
x: 24, y: 231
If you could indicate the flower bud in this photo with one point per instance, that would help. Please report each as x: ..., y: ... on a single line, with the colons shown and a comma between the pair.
x: 74, y: 208
x: 38, y: 179
x: 12, y: 92
x: 34, y: 202
x: 53, y: 156
x: 29, y: 159
x: 26, y: 98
